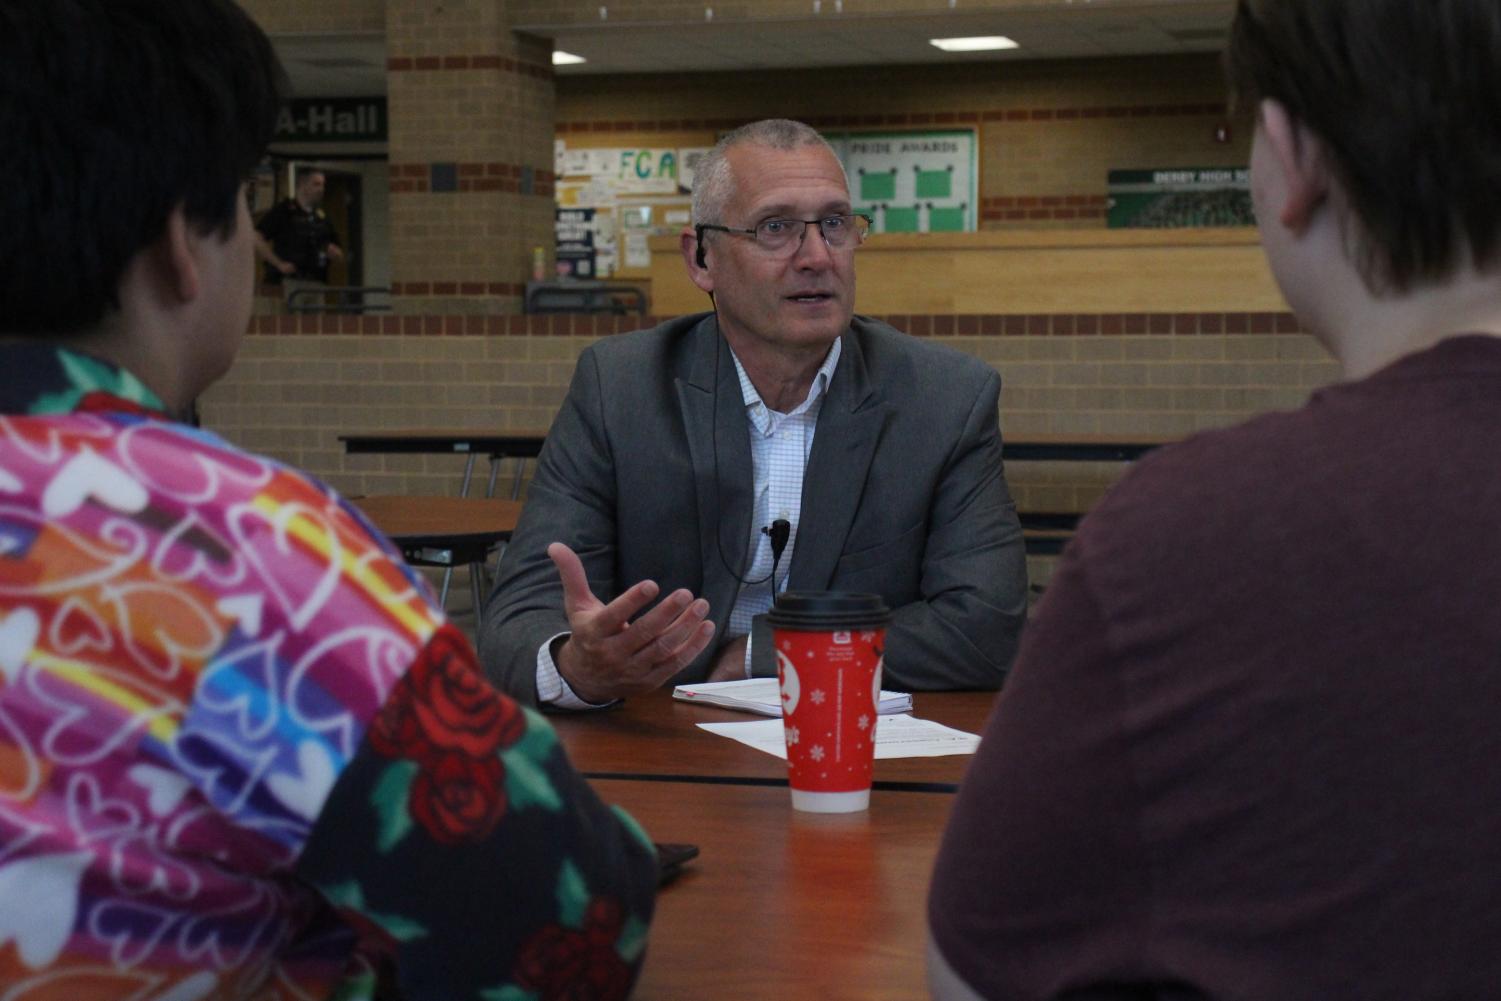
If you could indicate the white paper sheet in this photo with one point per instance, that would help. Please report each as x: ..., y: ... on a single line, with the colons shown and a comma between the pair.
x: 637, y: 251
x: 764, y: 696
x: 896, y: 737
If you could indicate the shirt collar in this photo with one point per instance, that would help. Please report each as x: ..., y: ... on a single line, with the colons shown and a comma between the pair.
x: 39, y: 379
x: 815, y: 392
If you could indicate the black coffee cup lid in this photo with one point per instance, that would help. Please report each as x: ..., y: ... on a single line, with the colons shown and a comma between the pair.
x: 828, y: 609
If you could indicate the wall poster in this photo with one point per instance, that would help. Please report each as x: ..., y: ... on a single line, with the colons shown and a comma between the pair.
x: 576, y: 230
x: 913, y: 182
x: 626, y: 191
x: 1179, y: 197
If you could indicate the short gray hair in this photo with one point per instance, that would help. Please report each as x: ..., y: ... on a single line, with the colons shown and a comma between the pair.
x: 714, y: 182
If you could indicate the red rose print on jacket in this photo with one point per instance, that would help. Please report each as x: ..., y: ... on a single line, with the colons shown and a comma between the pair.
x: 457, y: 798
x: 444, y: 705
x: 567, y: 964
x: 457, y: 708
x: 445, y: 717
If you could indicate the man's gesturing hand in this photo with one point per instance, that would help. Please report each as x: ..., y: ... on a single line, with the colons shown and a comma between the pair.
x: 608, y: 656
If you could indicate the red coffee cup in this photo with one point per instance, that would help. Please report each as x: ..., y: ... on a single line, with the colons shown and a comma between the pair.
x: 829, y: 646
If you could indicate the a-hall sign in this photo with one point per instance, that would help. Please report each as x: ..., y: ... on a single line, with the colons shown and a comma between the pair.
x: 332, y: 119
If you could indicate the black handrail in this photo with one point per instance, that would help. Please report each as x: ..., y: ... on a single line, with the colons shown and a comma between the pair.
x: 584, y: 297
x: 350, y: 299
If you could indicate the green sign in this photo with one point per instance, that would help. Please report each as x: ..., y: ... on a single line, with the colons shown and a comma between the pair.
x: 332, y: 119
x: 913, y: 182
x: 1179, y: 197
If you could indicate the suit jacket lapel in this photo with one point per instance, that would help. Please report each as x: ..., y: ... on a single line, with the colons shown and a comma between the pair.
x: 849, y: 426
x: 714, y: 420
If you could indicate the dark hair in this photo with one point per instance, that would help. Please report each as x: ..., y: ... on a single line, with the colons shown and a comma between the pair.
x: 113, y: 112
x: 1406, y: 96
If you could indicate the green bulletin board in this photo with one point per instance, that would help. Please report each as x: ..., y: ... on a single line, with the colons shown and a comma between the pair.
x: 913, y: 182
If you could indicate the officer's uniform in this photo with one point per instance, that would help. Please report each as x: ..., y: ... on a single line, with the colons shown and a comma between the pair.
x: 299, y: 237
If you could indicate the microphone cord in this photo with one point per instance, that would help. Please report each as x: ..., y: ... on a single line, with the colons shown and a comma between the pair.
x: 779, y: 530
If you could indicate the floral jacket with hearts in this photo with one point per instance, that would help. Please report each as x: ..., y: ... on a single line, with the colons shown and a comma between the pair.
x: 242, y: 753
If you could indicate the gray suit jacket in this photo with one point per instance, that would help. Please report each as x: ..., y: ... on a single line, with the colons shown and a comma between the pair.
x: 646, y: 474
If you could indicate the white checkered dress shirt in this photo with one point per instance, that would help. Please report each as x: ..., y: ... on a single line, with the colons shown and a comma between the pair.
x: 780, y: 444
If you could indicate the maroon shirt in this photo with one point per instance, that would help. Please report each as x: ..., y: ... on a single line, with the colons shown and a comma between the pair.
x: 1251, y: 747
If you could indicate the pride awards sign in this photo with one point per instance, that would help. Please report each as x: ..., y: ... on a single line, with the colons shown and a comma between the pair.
x: 912, y: 182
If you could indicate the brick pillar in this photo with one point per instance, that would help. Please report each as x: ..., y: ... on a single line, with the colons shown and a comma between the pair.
x: 286, y: 17
x: 471, y: 106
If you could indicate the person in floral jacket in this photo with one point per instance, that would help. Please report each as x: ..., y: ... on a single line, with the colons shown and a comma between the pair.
x: 242, y: 752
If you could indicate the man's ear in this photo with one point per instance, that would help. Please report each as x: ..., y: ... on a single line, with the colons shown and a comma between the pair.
x: 694, y: 257
x: 175, y: 256
x: 1299, y: 156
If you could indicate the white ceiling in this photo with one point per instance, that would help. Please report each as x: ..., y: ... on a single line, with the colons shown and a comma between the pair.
x: 1045, y: 31
x: 354, y: 65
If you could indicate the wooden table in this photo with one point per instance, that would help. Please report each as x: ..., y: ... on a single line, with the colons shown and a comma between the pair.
x: 785, y: 906
x: 498, y: 445
x: 848, y: 890
x: 656, y: 738
x: 526, y: 444
x: 519, y: 445
x: 1078, y: 447
x: 445, y: 532
x: 1046, y: 533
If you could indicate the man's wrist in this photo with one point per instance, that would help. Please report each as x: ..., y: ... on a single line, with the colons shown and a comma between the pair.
x: 563, y: 655
x: 552, y: 688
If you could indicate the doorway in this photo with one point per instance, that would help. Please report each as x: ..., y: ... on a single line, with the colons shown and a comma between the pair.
x: 343, y: 204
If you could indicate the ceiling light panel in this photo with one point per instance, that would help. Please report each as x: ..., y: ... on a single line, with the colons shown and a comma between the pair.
x: 973, y: 43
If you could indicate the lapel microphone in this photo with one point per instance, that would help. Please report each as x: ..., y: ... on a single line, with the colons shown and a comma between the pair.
x: 779, y: 531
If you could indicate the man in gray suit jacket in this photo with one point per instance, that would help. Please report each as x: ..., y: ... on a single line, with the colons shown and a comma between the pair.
x: 685, y: 455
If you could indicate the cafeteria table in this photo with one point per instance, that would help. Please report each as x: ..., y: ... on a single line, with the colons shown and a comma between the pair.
x: 786, y: 906
x: 1078, y: 447
x: 1046, y: 533
x: 445, y: 531
x: 655, y: 738
x: 525, y: 444
x: 780, y: 905
x: 499, y: 445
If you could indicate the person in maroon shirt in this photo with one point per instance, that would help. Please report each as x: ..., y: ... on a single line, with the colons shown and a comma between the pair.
x: 1250, y: 746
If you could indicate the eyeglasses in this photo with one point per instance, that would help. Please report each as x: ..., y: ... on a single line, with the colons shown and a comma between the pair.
x: 782, y: 236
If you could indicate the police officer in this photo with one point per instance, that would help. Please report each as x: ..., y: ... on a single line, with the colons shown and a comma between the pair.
x: 297, y: 240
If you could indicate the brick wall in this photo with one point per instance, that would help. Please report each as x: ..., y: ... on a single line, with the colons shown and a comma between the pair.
x: 291, y: 396
x: 471, y: 111
x: 301, y: 382
x: 557, y: 12
x: 1048, y: 131
x: 281, y: 17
